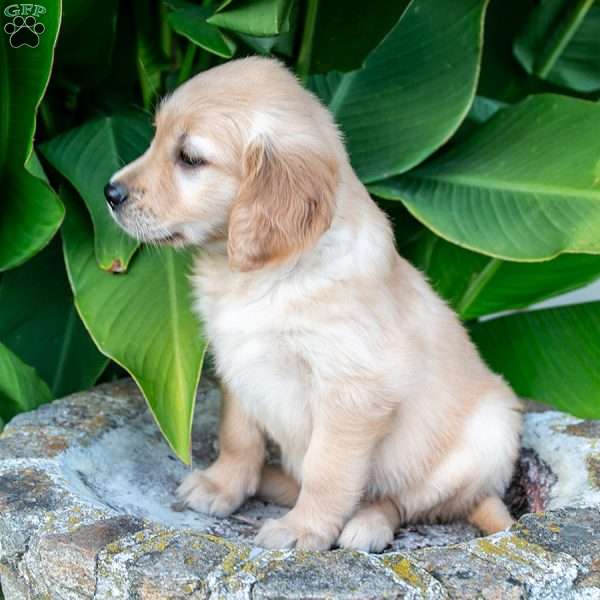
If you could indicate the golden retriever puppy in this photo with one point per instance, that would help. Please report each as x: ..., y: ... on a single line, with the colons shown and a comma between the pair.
x: 325, y: 339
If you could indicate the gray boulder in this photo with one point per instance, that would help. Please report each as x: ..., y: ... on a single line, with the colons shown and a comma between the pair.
x: 87, y: 484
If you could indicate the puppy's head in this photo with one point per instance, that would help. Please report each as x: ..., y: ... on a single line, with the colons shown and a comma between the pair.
x: 242, y: 153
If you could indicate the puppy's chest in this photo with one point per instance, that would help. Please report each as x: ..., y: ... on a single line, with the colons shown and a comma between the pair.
x: 261, y: 353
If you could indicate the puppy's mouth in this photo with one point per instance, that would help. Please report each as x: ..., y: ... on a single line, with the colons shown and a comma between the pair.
x: 173, y: 239
x: 158, y: 236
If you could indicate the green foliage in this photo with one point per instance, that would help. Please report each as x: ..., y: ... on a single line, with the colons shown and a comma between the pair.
x: 259, y: 18
x: 443, y: 38
x: 33, y: 214
x: 191, y: 22
x: 39, y: 323
x: 477, y: 285
x: 21, y: 388
x: 494, y: 194
x: 143, y: 321
x: 551, y: 354
x: 510, y: 189
x: 561, y: 43
x: 87, y: 156
x: 340, y: 37
x: 87, y: 37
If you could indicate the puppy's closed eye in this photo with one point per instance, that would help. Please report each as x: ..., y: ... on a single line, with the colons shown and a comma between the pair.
x: 189, y: 160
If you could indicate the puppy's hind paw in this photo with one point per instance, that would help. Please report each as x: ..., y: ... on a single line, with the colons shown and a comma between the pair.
x: 200, y: 493
x: 368, y: 533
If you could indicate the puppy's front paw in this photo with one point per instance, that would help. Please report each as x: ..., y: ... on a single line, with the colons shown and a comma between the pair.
x: 369, y: 533
x: 201, y: 493
x: 283, y: 534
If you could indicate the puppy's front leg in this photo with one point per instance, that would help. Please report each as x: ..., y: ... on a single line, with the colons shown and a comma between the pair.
x: 334, y: 475
x: 234, y: 476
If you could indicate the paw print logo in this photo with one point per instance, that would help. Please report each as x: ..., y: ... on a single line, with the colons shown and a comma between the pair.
x: 24, y: 31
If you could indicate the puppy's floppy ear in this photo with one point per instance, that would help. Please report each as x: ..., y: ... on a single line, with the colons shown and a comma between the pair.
x: 285, y: 202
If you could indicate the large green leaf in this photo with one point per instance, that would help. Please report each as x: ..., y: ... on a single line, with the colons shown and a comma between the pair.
x: 476, y: 285
x: 190, y: 21
x: 549, y: 355
x: 283, y: 44
x: 414, y: 89
x: 21, y: 389
x: 561, y: 43
x: 143, y: 321
x: 341, y: 37
x: 253, y: 17
x: 30, y: 213
x: 88, y: 156
x: 525, y: 186
x: 39, y: 323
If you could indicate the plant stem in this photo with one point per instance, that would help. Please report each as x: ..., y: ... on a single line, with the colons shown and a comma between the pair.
x: 477, y: 285
x: 204, y: 61
x: 166, y: 35
x: 47, y: 119
x: 561, y: 37
x: 144, y: 82
x: 306, y: 45
x: 187, y: 63
x: 430, y: 245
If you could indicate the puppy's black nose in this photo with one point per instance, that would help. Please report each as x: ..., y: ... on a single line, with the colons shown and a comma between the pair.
x: 116, y: 194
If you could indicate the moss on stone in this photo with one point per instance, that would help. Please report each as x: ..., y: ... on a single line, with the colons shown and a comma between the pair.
x: 406, y: 570
x: 507, y: 547
x: 236, y: 554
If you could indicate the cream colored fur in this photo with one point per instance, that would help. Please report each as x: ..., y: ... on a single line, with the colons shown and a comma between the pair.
x: 325, y: 339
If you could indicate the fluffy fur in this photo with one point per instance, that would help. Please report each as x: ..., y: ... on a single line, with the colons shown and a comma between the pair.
x: 325, y: 339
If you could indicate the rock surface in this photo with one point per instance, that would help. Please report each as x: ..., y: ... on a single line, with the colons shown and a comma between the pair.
x: 86, y: 487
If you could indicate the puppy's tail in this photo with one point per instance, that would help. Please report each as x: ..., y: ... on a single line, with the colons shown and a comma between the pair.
x: 491, y: 515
